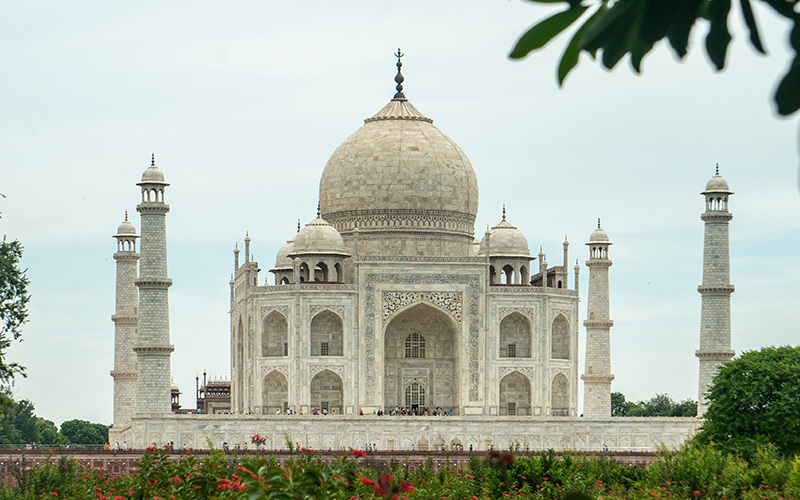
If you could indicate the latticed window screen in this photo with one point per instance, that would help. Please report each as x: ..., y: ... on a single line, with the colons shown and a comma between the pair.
x: 415, y: 346
x: 415, y: 395
x: 323, y: 406
x: 323, y: 349
x: 512, y: 350
x: 285, y: 348
x: 512, y: 408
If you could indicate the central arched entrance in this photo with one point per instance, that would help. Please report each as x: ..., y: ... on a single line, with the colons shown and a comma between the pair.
x: 421, y: 362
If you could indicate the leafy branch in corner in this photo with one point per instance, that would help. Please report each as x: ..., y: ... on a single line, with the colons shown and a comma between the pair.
x: 614, y: 28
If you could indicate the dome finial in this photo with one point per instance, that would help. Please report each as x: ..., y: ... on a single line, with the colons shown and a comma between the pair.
x: 126, y: 216
x: 298, y: 225
x: 153, y: 160
x: 318, y: 210
x: 598, y: 223
x: 399, y: 96
x: 717, y: 172
x: 504, y: 211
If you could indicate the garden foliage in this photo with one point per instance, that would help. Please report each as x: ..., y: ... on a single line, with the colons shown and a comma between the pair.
x: 693, y: 472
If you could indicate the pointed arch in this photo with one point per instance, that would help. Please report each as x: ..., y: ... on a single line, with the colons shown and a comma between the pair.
x: 559, y: 338
x: 515, y: 336
x: 421, y: 345
x: 327, y: 393
x: 559, y: 396
x: 321, y: 271
x: 275, y: 336
x: 327, y: 334
x: 274, y: 393
x: 509, y: 274
x: 515, y: 395
x: 337, y: 268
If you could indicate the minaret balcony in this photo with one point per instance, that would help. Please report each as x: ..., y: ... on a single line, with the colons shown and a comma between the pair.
x: 715, y: 289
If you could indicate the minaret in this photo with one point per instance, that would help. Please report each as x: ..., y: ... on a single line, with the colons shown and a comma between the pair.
x: 153, y: 348
x: 715, y: 318
x: 597, y: 378
x: 125, y: 322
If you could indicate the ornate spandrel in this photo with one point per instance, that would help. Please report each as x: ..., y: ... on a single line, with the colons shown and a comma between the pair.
x: 281, y: 309
x: 449, y: 301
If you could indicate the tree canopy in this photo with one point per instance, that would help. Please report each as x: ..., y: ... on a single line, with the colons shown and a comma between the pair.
x: 754, y: 400
x: 660, y: 405
x: 614, y: 28
x: 14, y: 299
x: 84, y: 432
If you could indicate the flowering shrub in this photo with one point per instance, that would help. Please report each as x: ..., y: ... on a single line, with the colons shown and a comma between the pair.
x: 696, y: 473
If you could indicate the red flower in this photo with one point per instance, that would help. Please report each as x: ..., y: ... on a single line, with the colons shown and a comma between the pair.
x: 358, y: 453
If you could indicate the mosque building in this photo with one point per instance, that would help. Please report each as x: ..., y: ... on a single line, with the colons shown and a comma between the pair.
x: 384, y: 320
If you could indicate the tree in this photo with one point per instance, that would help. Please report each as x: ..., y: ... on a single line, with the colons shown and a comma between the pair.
x: 619, y: 407
x: 14, y: 299
x: 84, y: 432
x: 754, y: 400
x: 660, y: 405
x: 620, y: 27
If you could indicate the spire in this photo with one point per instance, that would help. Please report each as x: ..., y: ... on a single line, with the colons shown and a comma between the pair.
x: 317, y: 209
x: 399, y: 78
x: 126, y: 216
x: 153, y: 160
x: 717, y: 172
x: 504, y: 211
x: 598, y: 223
x: 298, y: 225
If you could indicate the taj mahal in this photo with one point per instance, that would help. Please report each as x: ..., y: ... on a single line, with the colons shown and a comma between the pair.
x: 385, y: 320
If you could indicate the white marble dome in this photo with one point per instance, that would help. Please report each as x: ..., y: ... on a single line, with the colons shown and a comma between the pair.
x: 717, y: 184
x: 318, y: 237
x: 598, y: 235
x: 126, y: 228
x: 398, y: 165
x: 506, y: 240
x: 152, y: 175
x: 282, y: 260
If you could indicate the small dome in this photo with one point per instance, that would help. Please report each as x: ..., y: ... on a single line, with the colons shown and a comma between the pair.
x: 153, y: 175
x: 598, y: 235
x: 717, y: 183
x: 126, y: 229
x: 318, y: 237
x: 283, y: 261
x: 506, y: 240
x: 173, y: 386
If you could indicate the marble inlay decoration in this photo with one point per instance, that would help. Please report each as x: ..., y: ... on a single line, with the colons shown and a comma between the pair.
x: 449, y: 301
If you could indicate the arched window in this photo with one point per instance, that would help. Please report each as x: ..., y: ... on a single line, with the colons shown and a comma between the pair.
x: 559, y: 339
x: 559, y: 396
x: 327, y: 392
x: 415, y: 395
x: 415, y: 346
x: 275, y: 394
x: 275, y: 338
x: 515, y: 336
x: 515, y: 395
x: 327, y: 338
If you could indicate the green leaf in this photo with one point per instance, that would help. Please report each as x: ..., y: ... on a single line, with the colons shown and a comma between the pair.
x: 750, y: 19
x: 718, y: 37
x: 570, y: 57
x: 787, y: 97
x: 686, y: 14
x: 539, y: 35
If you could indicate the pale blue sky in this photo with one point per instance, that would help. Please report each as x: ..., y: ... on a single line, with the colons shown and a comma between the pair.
x: 244, y: 102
